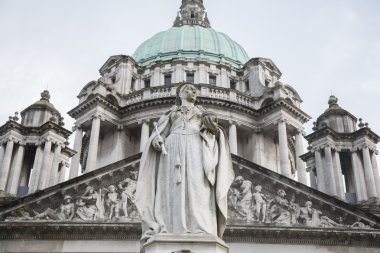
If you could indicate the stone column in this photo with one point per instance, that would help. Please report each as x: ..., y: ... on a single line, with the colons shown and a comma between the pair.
x: 5, y: 166
x: 257, y: 142
x: 233, y: 138
x: 313, y: 179
x: 360, y: 195
x: 62, y: 173
x: 301, y: 168
x: 329, y: 175
x: 93, y: 146
x: 144, y: 134
x: 320, y: 172
x: 36, y: 171
x: 46, y: 165
x: 75, y: 161
x: 16, y: 170
x: 338, y: 175
x: 2, y: 150
x: 53, y: 180
x: 368, y: 174
x: 376, y: 172
x: 284, y: 152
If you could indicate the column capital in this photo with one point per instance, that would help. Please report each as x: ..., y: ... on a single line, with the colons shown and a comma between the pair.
x: 300, y: 131
x: 76, y: 127
x: 98, y: 116
x: 282, y: 120
x: 143, y: 121
x: 120, y: 128
x: 47, y: 139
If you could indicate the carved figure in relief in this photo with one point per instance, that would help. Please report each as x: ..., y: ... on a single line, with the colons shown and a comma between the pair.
x: 185, y: 190
x: 128, y: 192
x: 260, y: 204
x: 313, y: 218
x: 112, y: 202
x: 242, y: 197
x: 90, y: 206
x: 280, y: 209
x: 65, y: 211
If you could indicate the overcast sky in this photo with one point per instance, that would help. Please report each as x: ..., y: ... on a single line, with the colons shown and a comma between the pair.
x: 321, y: 47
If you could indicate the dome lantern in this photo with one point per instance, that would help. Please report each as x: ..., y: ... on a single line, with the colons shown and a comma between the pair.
x: 192, y: 12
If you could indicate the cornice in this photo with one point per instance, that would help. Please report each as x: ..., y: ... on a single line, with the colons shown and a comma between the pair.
x: 282, y: 103
x: 48, y: 126
x: 233, y: 233
x: 327, y: 131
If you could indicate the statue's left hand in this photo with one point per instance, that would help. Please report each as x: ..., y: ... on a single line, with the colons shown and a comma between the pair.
x: 210, y: 121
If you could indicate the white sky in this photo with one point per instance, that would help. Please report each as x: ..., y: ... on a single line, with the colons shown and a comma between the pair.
x: 320, y: 46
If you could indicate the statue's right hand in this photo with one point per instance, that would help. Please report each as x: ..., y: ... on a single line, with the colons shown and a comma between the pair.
x: 157, y: 142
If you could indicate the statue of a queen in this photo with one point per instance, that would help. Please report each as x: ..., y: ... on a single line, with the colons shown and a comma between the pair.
x: 185, y: 172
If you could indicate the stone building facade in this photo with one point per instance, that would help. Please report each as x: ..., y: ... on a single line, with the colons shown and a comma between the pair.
x: 271, y: 206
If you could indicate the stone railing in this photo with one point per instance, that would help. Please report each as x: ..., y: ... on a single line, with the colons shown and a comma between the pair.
x: 204, y: 90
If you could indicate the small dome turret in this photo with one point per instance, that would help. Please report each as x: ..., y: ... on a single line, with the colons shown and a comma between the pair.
x: 41, y: 112
x: 336, y: 118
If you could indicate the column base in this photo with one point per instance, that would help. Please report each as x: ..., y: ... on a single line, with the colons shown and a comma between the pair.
x: 184, y: 243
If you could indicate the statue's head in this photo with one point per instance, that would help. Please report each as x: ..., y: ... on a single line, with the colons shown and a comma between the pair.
x: 281, y: 193
x: 112, y: 188
x: 67, y: 199
x: 258, y: 188
x: 90, y: 190
x: 186, y: 92
x: 308, y: 204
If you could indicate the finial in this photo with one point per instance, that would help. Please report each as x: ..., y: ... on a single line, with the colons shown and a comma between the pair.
x: 45, y: 95
x: 315, y: 126
x: 333, y: 100
x: 192, y: 12
x: 361, y: 125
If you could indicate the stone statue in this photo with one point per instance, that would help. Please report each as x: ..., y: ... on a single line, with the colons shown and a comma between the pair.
x: 313, y: 218
x: 260, y: 204
x: 185, y: 172
x: 242, y: 197
x: 112, y: 202
x: 64, y: 212
x: 280, y: 209
x: 90, y: 206
x: 128, y: 192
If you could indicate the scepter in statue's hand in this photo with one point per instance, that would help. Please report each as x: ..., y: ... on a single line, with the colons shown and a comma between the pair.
x: 160, y: 140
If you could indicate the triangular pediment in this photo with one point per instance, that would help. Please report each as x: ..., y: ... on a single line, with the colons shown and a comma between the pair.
x: 92, y: 200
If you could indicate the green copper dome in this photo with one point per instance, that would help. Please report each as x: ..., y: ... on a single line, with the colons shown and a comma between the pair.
x: 193, y: 42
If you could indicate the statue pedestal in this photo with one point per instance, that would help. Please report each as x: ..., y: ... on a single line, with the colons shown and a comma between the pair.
x: 185, y: 243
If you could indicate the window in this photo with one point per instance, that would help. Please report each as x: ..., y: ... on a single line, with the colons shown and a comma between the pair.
x: 190, y: 77
x: 113, y: 79
x: 168, y: 79
x: 133, y: 84
x: 147, y: 83
x: 192, y: 14
x: 246, y: 85
x: 212, y: 79
x: 232, y: 84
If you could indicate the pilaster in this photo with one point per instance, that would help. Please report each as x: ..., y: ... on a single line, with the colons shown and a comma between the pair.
x: 144, y: 134
x: 232, y: 137
x: 5, y: 167
x: 14, y: 176
x: 75, y: 161
x: 94, y: 143
x: 301, y: 168
x: 284, y: 151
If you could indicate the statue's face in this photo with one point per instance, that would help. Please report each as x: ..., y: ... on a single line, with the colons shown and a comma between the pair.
x: 67, y: 201
x: 282, y: 193
x: 189, y: 93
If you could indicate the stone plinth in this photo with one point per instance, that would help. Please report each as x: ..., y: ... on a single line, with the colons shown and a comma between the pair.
x: 166, y: 243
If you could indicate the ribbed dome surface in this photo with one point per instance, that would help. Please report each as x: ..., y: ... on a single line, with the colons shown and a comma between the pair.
x: 194, y: 42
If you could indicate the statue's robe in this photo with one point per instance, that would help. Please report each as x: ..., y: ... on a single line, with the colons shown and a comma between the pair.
x: 186, y: 190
